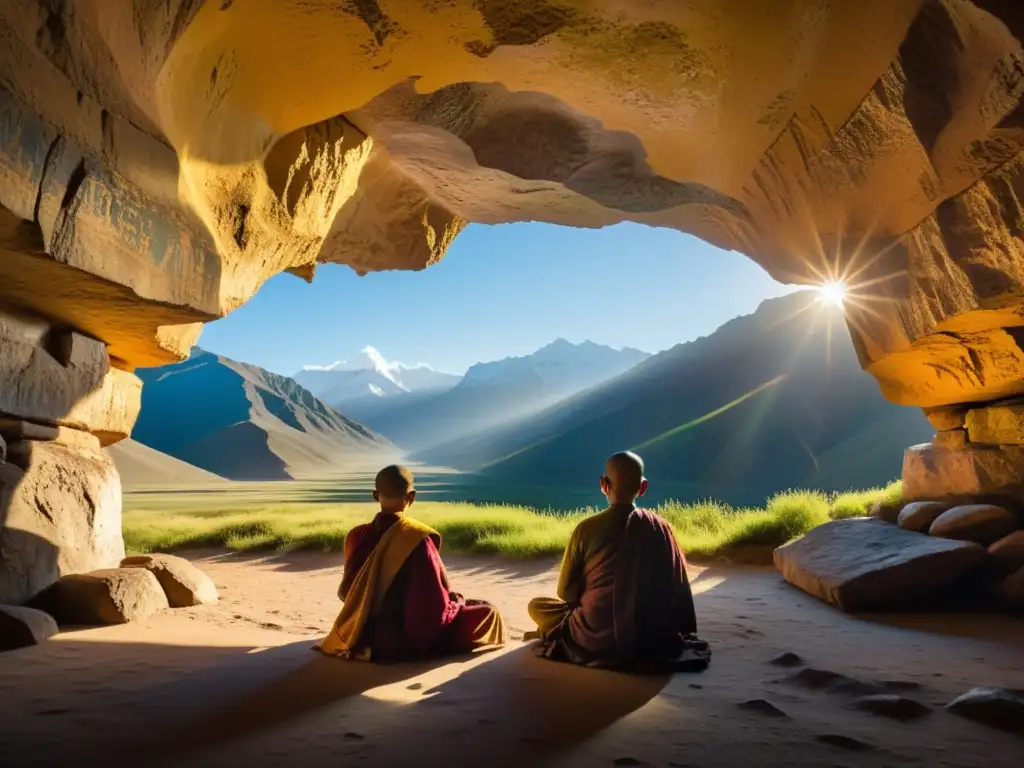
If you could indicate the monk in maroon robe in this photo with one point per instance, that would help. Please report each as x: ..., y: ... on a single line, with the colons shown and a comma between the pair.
x: 624, y: 599
x: 403, y: 606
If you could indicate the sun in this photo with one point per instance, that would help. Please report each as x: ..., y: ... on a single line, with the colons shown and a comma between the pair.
x: 832, y: 292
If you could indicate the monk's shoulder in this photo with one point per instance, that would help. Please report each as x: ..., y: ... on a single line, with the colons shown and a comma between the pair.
x: 357, y: 534
x: 593, y: 525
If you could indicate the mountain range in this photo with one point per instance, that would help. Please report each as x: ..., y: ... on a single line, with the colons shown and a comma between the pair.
x: 492, y: 394
x: 769, y: 401
x: 772, y: 400
x: 370, y: 377
x: 242, y: 422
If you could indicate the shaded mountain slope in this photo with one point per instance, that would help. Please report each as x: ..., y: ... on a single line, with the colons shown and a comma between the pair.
x: 243, y: 422
x: 143, y: 467
x: 769, y: 401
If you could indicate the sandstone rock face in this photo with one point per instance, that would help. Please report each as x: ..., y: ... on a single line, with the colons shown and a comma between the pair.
x: 944, y: 419
x: 62, y: 514
x: 182, y: 582
x: 21, y: 627
x: 997, y: 424
x: 1007, y: 554
x: 933, y: 472
x: 867, y: 565
x: 918, y: 516
x: 158, y: 164
x: 112, y: 596
x: 980, y: 523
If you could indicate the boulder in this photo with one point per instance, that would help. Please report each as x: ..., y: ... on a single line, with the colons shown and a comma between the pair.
x: 1007, y: 554
x: 62, y: 514
x: 944, y: 419
x: 997, y: 424
x: 182, y: 582
x: 980, y: 523
x: 998, y: 707
x: 937, y: 472
x: 112, y: 596
x: 866, y: 565
x: 21, y: 627
x: 918, y: 516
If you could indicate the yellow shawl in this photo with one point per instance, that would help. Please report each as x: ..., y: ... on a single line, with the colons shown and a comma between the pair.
x: 366, y: 595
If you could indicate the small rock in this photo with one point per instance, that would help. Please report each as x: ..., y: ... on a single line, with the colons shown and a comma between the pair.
x: 951, y: 438
x: 626, y: 761
x: 889, y: 705
x: 21, y: 627
x: 945, y: 418
x: 762, y: 707
x: 353, y: 736
x: 980, y: 523
x: 112, y: 596
x: 1007, y: 554
x: 919, y: 515
x: 998, y: 707
x: 787, y: 660
x: 183, y: 583
x: 844, y: 742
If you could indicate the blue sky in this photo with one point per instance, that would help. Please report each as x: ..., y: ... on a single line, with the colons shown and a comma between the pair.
x: 501, y: 291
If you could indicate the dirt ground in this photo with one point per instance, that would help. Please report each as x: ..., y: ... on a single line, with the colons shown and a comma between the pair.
x: 238, y: 684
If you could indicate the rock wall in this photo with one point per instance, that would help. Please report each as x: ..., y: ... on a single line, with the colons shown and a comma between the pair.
x: 160, y: 159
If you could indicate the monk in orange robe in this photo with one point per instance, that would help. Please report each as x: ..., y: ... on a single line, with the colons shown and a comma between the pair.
x: 624, y: 599
x: 398, y: 603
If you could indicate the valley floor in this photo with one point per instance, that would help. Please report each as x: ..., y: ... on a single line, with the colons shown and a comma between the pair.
x: 238, y: 684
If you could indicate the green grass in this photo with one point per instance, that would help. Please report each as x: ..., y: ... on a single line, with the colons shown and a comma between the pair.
x: 704, y: 529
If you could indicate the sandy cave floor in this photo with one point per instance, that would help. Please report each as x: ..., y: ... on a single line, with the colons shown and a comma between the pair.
x: 237, y: 684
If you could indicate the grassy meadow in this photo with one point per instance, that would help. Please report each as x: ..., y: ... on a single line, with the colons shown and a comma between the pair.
x: 255, y: 520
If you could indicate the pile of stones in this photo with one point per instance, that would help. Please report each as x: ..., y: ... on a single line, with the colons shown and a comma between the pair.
x: 139, y: 588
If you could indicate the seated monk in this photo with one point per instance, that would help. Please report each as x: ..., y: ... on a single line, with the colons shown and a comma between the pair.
x: 397, y: 600
x: 624, y: 599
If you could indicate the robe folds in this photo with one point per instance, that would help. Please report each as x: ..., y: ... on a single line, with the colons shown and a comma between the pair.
x: 398, y: 603
x: 623, y: 594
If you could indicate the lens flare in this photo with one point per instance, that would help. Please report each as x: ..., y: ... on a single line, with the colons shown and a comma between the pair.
x: 832, y: 292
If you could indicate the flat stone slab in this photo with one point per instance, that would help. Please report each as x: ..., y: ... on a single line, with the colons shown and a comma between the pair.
x: 182, y: 582
x: 111, y: 596
x: 981, y: 523
x: 867, y: 565
x: 21, y: 627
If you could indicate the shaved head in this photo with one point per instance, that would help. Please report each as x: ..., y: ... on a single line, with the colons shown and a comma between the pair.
x: 625, y: 473
x: 394, y: 481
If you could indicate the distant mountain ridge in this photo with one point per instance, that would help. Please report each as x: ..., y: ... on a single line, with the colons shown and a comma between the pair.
x: 370, y: 376
x: 769, y: 401
x: 243, y: 422
x: 495, y: 392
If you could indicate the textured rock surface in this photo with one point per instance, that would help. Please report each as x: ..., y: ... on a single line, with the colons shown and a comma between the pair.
x: 160, y: 161
x: 867, y: 565
x: 997, y: 424
x: 934, y: 472
x: 998, y: 707
x: 919, y: 515
x: 182, y: 582
x: 21, y: 627
x: 980, y: 523
x: 1007, y: 554
x: 944, y: 419
x: 111, y: 596
x: 62, y: 514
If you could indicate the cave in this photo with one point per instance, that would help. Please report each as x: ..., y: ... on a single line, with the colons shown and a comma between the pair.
x: 160, y: 160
